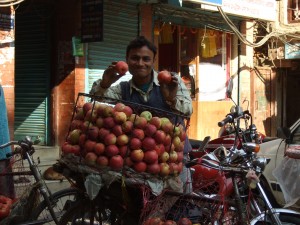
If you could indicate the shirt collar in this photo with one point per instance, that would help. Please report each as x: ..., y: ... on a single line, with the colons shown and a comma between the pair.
x: 155, y: 81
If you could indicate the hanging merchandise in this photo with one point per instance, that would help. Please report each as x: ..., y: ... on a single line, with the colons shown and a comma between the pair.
x: 208, y: 45
x: 166, y: 34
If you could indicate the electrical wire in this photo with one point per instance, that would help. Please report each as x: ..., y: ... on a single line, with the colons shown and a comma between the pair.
x: 7, y: 3
x: 281, y: 35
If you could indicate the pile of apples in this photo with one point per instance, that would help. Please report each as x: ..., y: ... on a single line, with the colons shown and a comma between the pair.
x: 159, y: 221
x: 114, y: 136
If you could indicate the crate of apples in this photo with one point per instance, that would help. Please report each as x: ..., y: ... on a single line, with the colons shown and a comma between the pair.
x: 114, y: 136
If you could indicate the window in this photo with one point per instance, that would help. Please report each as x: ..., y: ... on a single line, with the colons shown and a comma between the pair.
x: 293, y: 11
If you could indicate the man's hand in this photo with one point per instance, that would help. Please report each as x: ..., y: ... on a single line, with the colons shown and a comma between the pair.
x: 110, y: 76
x: 169, y: 90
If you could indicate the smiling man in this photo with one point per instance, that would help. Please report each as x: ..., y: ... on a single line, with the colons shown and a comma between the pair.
x: 144, y: 87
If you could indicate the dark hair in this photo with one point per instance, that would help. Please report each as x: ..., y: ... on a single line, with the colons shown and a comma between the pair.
x: 139, y: 42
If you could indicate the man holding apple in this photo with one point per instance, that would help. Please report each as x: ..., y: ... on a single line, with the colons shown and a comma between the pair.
x: 147, y: 87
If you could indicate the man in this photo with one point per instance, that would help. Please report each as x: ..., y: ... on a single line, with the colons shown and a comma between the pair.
x: 144, y: 87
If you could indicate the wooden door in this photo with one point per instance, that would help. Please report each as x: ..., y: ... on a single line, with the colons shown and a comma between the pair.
x: 262, y: 100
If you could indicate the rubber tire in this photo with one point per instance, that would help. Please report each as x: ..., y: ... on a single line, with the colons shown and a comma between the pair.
x: 59, y: 198
x: 285, y: 218
x: 103, y: 214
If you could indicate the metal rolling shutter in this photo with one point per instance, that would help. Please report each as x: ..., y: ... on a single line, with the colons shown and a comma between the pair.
x: 31, y: 75
x: 120, y: 27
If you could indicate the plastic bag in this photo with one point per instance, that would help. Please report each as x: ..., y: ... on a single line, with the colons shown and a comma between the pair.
x: 287, y: 174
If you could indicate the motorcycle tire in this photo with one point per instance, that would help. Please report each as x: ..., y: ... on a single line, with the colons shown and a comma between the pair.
x: 286, y: 217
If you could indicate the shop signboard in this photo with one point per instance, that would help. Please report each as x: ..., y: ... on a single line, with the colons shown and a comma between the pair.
x: 292, y: 51
x: 91, y: 21
x: 208, y: 2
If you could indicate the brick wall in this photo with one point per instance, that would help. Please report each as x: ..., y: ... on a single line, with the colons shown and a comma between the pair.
x: 7, y: 69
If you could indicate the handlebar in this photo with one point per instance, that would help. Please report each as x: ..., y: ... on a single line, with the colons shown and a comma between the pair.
x: 24, y: 146
x: 229, y: 119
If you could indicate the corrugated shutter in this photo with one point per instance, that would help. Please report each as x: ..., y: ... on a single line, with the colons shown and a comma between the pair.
x: 120, y: 27
x: 31, y: 74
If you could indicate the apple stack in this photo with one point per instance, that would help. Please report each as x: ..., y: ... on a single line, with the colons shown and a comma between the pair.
x: 113, y: 136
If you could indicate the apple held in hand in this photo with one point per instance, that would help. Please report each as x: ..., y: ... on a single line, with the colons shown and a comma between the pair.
x: 164, y: 77
x: 121, y: 67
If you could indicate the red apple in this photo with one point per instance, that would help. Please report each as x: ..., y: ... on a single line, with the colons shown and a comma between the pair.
x: 140, y: 166
x: 173, y: 156
x: 99, y: 122
x: 127, y: 126
x: 124, y: 151
x: 86, y: 107
x: 93, y: 133
x: 150, y: 130
x: 122, y: 139
x: 150, y: 157
x: 137, y: 155
x: 179, y: 156
x: 73, y: 137
x: 89, y: 146
x: 173, y: 169
x: 153, y: 168
x: 90, y: 158
x: 160, y: 149
x: 91, y: 116
x: 160, y: 136
x: 147, y: 115
x: 102, y: 161
x: 168, y: 140
x: 75, y: 149
x: 116, y: 162
x: 135, y: 143
x: 133, y: 117
x: 167, y: 127
x: 82, y: 140
x: 164, y: 169
x: 148, y: 143
x: 111, y: 150
x: 107, y: 111
x: 164, y: 77
x: 119, y: 107
x: 138, y: 133
x: 117, y: 130
x: 128, y: 111
x: 176, y: 142
x: 76, y: 124
x: 121, y: 67
x: 119, y: 117
x: 99, y: 148
x: 140, y: 122
x: 184, y: 221
x: 153, y: 221
x: 169, y: 222
x: 155, y: 120
x: 86, y: 125
x: 79, y: 115
x: 164, y: 157
x: 102, y: 133
x: 110, y: 139
x: 66, y: 148
x: 109, y: 122
x: 100, y: 107
x: 128, y: 162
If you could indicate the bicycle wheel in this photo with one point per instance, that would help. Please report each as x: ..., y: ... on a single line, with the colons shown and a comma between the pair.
x: 96, y: 212
x: 61, y: 202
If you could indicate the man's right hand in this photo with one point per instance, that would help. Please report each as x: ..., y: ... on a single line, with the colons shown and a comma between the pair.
x: 110, y: 76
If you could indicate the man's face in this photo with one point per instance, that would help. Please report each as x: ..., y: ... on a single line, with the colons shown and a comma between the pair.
x: 140, y: 62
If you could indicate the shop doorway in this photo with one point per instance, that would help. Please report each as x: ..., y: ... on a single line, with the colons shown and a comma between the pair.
x: 32, y: 71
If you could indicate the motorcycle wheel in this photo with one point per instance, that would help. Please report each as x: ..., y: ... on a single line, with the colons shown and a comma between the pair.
x: 286, y: 217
